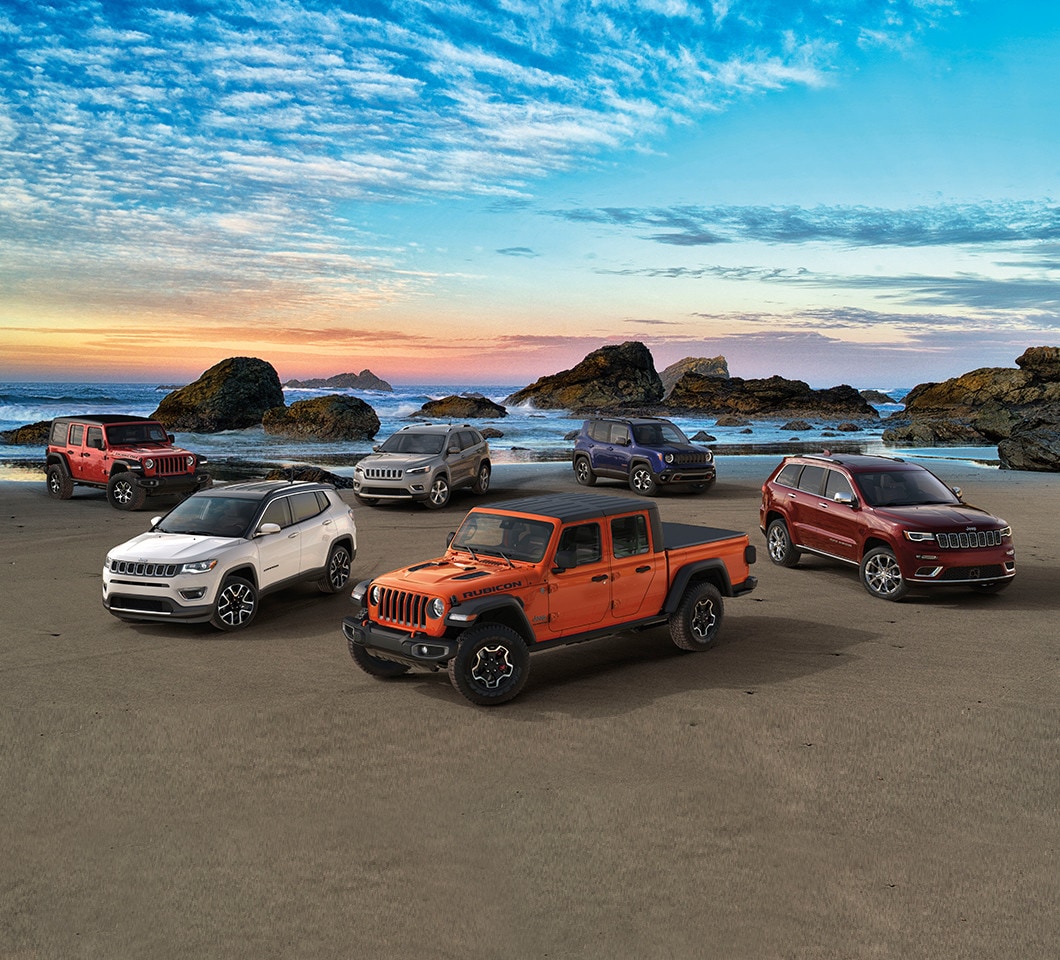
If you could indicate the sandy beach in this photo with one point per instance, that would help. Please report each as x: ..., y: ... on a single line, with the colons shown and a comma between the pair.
x: 840, y: 778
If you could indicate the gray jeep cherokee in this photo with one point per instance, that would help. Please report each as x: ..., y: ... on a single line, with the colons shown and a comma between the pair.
x: 424, y: 462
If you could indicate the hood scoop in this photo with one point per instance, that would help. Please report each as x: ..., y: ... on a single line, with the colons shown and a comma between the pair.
x: 473, y: 575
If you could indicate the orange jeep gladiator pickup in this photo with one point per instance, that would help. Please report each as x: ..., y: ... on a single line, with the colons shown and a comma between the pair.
x: 541, y: 572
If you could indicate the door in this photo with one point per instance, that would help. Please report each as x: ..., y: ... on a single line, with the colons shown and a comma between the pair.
x: 580, y: 596
x: 279, y: 554
x: 315, y: 531
x: 94, y: 456
x: 611, y: 452
x: 837, y: 523
x: 636, y: 589
x: 804, y: 507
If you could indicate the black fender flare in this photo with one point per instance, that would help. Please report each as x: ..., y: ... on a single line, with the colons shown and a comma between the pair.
x: 484, y: 610
x: 715, y: 572
x: 121, y: 466
x: 58, y: 460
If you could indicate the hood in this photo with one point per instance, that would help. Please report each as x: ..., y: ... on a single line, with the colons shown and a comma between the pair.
x: 942, y: 517
x: 151, y: 449
x: 458, y: 576
x: 170, y: 548
x: 405, y: 461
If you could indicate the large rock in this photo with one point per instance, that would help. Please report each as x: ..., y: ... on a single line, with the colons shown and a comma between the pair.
x: 611, y: 378
x: 32, y: 434
x: 311, y: 475
x: 704, y: 366
x: 335, y: 417
x: 365, y: 380
x: 231, y: 395
x: 1034, y: 442
x: 773, y: 397
x: 982, y: 406
x: 463, y: 407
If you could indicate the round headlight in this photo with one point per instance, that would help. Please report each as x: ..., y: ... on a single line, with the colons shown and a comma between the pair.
x: 374, y: 594
x: 191, y: 460
x: 436, y: 608
x: 149, y: 464
x: 669, y: 458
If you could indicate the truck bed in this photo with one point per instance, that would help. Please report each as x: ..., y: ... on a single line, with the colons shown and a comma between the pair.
x: 677, y: 535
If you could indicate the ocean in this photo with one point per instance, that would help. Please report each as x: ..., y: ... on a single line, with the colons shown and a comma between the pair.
x: 528, y: 433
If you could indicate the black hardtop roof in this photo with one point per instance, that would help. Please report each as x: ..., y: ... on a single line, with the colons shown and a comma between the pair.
x: 859, y: 462
x: 569, y: 507
x: 262, y: 489
x: 106, y: 419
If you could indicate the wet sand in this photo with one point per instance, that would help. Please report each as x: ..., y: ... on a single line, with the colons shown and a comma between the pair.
x: 841, y: 777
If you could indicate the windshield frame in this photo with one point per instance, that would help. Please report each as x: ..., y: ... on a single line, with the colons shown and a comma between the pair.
x: 214, y: 516
x: 908, y: 488
x: 503, y: 536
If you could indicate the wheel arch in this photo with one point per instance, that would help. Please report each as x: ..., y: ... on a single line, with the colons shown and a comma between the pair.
x: 706, y: 571
x: 507, y: 611
x: 244, y: 570
x: 57, y: 460
x: 872, y: 542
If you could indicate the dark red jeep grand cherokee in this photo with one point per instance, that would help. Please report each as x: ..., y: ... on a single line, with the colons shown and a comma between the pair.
x: 902, y: 526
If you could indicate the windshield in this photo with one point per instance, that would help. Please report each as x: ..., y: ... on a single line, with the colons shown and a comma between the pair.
x: 413, y: 443
x: 126, y: 433
x: 656, y: 434
x: 511, y: 538
x: 903, y: 488
x: 210, y: 517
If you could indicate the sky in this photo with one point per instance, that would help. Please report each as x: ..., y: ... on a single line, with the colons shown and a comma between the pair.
x: 837, y: 191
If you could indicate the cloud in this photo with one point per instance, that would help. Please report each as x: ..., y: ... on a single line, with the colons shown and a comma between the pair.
x: 517, y: 252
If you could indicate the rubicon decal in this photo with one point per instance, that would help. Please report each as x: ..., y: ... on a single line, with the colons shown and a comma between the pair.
x: 486, y: 590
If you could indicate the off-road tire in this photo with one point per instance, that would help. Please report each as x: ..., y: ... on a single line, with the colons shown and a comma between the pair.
x: 696, y: 622
x: 60, y: 483
x: 583, y: 472
x: 337, y: 570
x: 236, y: 605
x: 881, y: 575
x: 439, y: 493
x: 781, y: 550
x: 482, y: 481
x: 642, y: 481
x: 491, y: 664
x: 124, y: 493
x: 375, y: 666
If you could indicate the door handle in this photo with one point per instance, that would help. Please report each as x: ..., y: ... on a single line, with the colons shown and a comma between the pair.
x: 600, y: 578
x: 291, y: 536
x: 643, y: 569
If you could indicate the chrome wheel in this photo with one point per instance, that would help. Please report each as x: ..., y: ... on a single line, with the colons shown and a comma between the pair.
x: 439, y: 493
x: 236, y: 604
x: 882, y: 576
x: 642, y: 481
x: 778, y: 542
x: 338, y: 570
x: 583, y: 472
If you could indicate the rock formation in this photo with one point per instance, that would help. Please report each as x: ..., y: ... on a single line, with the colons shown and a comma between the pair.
x: 772, y: 397
x: 310, y: 474
x: 365, y: 380
x: 335, y: 417
x: 612, y: 378
x: 876, y: 396
x: 1034, y: 441
x: 463, y: 407
x: 980, y: 407
x: 32, y: 434
x: 704, y: 366
x: 231, y: 395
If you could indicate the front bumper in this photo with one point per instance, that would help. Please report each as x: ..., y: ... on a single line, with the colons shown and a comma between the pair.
x: 180, y: 598
x: 419, y: 489
x: 691, y: 474
x: 181, y: 483
x: 417, y: 649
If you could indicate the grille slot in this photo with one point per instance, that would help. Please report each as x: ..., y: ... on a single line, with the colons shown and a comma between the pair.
x: 128, y: 568
x: 403, y: 609
x: 688, y: 459
x: 382, y: 473
x: 170, y: 466
x: 969, y: 540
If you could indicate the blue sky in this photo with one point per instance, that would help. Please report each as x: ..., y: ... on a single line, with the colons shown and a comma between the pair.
x: 832, y: 190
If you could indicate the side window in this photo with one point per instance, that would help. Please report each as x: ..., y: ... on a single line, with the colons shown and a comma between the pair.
x: 278, y: 511
x: 304, y: 505
x: 322, y: 500
x: 619, y: 433
x: 599, y: 430
x: 77, y: 434
x: 95, y: 438
x: 581, y: 543
x: 811, y: 479
x: 789, y: 476
x: 467, y: 439
x: 629, y: 535
x: 836, y: 483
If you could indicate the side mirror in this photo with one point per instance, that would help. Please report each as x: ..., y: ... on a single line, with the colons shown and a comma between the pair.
x: 170, y: 438
x: 956, y: 492
x: 449, y: 538
x: 268, y: 528
x: 155, y: 521
x: 847, y: 499
x: 375, y: 448
x: 565, y: 559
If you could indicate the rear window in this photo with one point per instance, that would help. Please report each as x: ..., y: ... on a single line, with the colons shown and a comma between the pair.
x: 59, y: 433
x: 811, y: 478
x: 789, y: 476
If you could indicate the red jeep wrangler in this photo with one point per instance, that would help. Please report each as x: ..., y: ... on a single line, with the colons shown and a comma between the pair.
x: 132, y: 458
x: 540, y: 572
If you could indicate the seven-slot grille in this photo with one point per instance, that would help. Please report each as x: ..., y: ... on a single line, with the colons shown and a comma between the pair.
x: 170, y: 466
x: 402, y: 608
x: 382, y: 473
x: 685, y: 459
x: 964, y: 541
x: 131, y: 568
